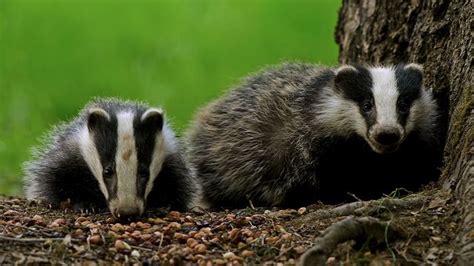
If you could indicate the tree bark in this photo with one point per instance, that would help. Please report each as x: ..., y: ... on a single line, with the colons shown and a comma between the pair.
x: 437, y: 34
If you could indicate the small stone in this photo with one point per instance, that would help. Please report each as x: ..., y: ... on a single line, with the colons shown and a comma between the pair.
x: 181, y: 236
x: 286, y: 236
x: 300, y: 249
x: 85, y: 223
x: 206, y: 230
x: 272, y: 239
x: 121, y: 245
x: 156, y: 221
x: 112, y: 234
x: 301, y: 210
x: 143, y: 226
x: 117, y: 228
x: 191, y: 242
x: 199, y: 235
x: 233, y: 233
x: 60, y: 221
x: 146, y: 237
x: 77, y: 233
x: 95, y: 239
x: 247, y: 253
x: 81, y: 219
x: 247, y: 232
x: 136, y: 234
x: 200, y: 248
x: 219, y: 261
x: 37, y: 218
x: 229, y: 256
x: 135, y: 254
x: 174, y: 225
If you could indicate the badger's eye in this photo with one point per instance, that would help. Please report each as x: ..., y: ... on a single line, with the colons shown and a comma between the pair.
x: 367, y: 106
x: 403, y: 107
x: 108, y: 171
x: 143, y: 173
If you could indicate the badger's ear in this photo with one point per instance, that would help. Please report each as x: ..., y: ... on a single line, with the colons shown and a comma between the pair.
x: 415, y: 67
x: 345, y: 75
x: 414, y: 74
x: 153, y: 118
x: 345, y: 69
x: 97, y: 117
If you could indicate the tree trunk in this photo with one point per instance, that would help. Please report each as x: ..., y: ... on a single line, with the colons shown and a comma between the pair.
x: 437, y: 34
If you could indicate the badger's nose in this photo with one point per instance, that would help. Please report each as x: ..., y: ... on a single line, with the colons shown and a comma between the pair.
x: 127, y: 212
x: 388, y: 136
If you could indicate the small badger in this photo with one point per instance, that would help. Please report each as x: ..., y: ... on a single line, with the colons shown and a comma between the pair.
x: 299, y: 133
x: 116, y: 154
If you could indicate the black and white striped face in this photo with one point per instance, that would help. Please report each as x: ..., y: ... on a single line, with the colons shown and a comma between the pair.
x: 125, y: 151
x: 390, y: 102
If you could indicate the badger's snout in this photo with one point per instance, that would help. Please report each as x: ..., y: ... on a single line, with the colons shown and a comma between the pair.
x: 126, y: 210
x: 388, y: 136
x: 385, y: 139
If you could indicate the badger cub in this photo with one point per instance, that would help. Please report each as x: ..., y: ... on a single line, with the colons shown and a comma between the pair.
x: 299, y: 133
x: 115, y: 154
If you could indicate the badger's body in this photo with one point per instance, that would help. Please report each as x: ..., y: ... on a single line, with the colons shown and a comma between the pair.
x: 299, y: 133
x: 116, y: 154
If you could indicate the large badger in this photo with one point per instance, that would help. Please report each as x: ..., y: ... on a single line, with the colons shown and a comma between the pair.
x: 299, y: 133
x: 116, y: 154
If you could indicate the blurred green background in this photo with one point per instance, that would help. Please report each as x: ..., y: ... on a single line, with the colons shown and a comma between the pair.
x: 56, y: 55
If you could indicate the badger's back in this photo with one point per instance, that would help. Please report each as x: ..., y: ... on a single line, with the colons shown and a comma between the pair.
x: 245, y: 144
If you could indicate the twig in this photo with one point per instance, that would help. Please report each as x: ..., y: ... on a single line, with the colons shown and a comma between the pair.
x: 6, y: 238
x: 351, y: 228
x: 142, y: 248
x: 354, y: 196
x: 161, y: 241
x: 283, y: 253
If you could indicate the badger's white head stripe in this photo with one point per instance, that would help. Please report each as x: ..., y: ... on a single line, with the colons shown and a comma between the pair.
x: 385, y: 92
x: 158, y: 157
x: 126, y: 165
x: 91, y: 156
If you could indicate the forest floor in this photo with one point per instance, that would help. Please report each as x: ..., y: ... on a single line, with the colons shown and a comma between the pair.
x: 33, y: 233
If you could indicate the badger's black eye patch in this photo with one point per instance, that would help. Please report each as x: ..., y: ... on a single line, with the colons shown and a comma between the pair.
x: 403, y: 107
x: 355, y: 85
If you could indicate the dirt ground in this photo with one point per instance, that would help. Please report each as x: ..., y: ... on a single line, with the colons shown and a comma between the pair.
x: 33, y: 233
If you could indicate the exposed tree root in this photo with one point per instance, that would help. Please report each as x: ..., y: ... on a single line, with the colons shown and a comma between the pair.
x: 351, y: 228
x: 364, y: 207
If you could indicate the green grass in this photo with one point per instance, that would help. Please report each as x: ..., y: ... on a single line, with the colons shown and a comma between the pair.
x: 56, y: 55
